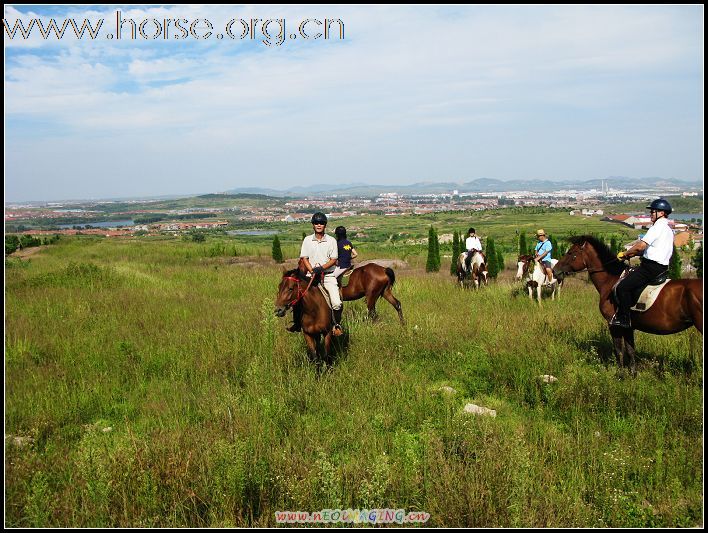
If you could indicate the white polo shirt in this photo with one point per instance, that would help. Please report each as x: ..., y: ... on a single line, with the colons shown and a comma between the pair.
x: 660, y: 239
x: 319, y: 252
x: 472, y: 243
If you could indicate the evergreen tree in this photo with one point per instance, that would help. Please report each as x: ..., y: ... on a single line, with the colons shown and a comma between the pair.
x: 500, y: 260
x: 492, y: 258
x: 433, y: 262
x: 277, y: 253
x: 697, y: 261
x: 12, y: 242
x: 675, y: 265
x: 554, y: 245
x: 523, y: 247
x: 455, y: 252
x: 614, y: 246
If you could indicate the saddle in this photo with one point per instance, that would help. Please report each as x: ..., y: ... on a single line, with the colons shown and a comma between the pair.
x: 647, y: 295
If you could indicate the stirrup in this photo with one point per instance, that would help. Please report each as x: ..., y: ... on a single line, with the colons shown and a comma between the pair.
x: 337, y: 330
x: 620, y: 321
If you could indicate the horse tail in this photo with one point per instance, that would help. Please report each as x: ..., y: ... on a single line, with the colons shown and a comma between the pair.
x: 391, y: 276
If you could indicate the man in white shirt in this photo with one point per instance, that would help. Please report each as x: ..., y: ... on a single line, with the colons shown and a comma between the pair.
x: 472, y: 245
x: 319, y: 252
x: 656, y: 248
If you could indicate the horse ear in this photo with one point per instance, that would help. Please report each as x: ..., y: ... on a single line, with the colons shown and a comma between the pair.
x: 283, y: 269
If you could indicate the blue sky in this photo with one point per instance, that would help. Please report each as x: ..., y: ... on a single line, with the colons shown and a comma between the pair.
x: 410, y: 94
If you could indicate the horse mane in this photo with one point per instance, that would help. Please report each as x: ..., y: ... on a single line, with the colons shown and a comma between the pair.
x: 295, y: 272
x: 608, y: 259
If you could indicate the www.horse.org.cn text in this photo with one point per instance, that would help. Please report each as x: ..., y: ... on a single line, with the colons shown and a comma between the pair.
x: 271, y: 31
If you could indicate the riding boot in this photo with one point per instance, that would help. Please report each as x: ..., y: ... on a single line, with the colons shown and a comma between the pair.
x: 337, y: 329
x: 621, y: 319
x: 468, y: 262
x: 297, y: 320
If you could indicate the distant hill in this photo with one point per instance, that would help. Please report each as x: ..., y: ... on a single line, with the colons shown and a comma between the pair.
x: 479, y: 185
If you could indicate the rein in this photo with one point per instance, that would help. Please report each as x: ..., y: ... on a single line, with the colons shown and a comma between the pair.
x: 300, y: 292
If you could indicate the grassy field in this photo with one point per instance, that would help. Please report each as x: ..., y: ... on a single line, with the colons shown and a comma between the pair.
x: 148, y: 383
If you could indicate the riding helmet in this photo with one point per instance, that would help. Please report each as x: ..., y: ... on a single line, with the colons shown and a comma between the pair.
x: 471, y: 230
x: 319, y: 218
x: 660, y: 205
x: 340, y: 232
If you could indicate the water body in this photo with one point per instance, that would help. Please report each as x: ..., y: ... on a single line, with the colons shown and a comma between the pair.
x: 109, y: 224
x: 252, y: 232
x: 687, y: 216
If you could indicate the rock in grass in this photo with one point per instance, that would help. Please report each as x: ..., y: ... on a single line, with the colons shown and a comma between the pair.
x: 448, y: 390
x: 547, y: 378
x: 19, y: 441
x: 477, y: 410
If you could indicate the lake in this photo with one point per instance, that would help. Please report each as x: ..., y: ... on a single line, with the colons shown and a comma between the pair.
x: 252, y: 232
x: 109, y: 224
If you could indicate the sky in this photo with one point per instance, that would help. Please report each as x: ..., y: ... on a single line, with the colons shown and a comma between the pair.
x: 407, y: 94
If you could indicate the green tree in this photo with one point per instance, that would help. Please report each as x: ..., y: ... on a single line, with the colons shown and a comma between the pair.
x: 433, y: 262
x: 455, y: 252
x: 11, y: 244
x: 500, y: 260
x: 523, y: 246
x: 277, y: 253
x: 697, y: 261
x: 614, y: 245
x: 675, y: 265
x: 492, y: 258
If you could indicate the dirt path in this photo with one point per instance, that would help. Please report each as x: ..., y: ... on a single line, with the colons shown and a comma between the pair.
x: 26, y: 252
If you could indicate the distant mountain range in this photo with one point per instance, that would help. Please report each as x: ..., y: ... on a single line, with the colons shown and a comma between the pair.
x: 480, y: 185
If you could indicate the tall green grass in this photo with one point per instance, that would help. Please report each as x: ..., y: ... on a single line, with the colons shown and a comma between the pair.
x: 217, y: 418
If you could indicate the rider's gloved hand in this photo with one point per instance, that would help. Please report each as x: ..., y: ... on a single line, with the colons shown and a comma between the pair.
x: 622, y: 256
x: 317, y: 271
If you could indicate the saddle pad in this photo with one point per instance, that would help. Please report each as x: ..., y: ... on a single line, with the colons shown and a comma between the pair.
x: 648, y: 296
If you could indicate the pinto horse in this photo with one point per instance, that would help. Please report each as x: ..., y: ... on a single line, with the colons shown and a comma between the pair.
x: 535, y: 275
x: 678, y: 307
x: 478, y: 272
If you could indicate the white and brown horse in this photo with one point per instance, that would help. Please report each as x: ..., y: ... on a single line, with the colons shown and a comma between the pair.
x: 477, y: 272
x: 533, y: 273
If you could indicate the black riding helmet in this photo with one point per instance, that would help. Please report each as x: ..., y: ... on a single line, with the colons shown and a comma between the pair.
x: 340, y: 233
x: 319, y: 218
x: 471, y: 230
x: 660, y: 205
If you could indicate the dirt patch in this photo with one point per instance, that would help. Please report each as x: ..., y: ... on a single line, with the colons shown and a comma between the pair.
x: 26, y: 252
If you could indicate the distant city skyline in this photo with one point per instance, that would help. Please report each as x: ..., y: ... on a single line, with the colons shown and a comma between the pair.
x: 404, y: 94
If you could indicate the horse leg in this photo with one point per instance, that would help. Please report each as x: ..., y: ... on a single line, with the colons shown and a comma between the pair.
x: 696, y: 312
x: 628, y: 335
x: 371, y: 305
x: 390, y: 298
x: 618, y: 345
x: 328, y: 348
x: 311, y: 342
x: 530, y: 288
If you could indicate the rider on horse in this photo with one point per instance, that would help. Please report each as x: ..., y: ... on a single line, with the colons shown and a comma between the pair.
x: 345, y: 251
x: 656, y: 248
x: 320, y: 250
x: 472, y: 245
x: 543, y: 250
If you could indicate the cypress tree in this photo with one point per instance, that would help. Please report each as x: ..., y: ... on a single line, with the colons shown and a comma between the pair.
x: 523, y: 247
x: 675, y: 265
x: 455, y: 252
x: 430, y: 263
x: 277, y: 253
x: 436, y: 254
x: 492, y: 258
x: 614, y: 246
x: 697, y: 261
x: 500, y: 260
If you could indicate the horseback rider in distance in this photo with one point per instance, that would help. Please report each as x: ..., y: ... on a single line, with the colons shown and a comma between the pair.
x: 472, y: 245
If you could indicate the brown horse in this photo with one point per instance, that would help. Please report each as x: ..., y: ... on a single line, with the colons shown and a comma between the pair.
x: 372, y: 281
x: 678, y: 307
x: 296, y: 289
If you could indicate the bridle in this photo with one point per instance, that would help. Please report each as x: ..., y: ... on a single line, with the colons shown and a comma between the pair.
x: 300, y: 292
x: 595, y: 270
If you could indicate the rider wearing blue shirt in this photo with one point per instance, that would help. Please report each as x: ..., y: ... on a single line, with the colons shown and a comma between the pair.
x: 543, y: 254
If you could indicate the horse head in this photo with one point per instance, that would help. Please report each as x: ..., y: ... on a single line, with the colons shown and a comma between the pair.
x: 288, y: 291
x: 523, y: 266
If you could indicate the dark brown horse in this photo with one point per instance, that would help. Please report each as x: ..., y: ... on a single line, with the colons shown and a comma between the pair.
x: 678, y: 307
x: 297, y: 290
x: 372, y: 281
